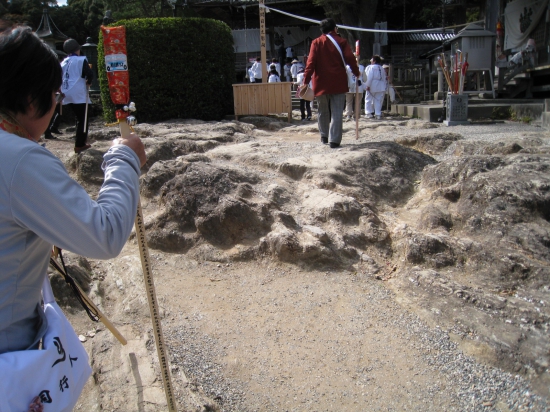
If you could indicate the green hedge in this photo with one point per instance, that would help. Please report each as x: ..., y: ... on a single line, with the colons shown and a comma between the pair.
x: 179, y: 68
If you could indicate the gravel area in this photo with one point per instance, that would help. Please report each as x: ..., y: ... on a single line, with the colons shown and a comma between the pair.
x: 486, y: 132
x: 266, y: 335
x: 367, y: 352
x: 441, y: 376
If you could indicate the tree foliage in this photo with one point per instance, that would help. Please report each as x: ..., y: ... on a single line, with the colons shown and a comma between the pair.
x: 164, y: 80
x: 355, y: 13
x: 399, y: 14
x: 131, y: 9
x: 24, y: 11
x: 70, y: 22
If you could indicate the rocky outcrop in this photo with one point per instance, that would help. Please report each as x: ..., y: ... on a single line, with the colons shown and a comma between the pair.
x: 432, y: 144
x: 228, y: 198
x: 461, y: 228
x: 480, y: 221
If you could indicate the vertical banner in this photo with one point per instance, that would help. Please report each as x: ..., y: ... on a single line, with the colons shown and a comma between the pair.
x: 116, y: 64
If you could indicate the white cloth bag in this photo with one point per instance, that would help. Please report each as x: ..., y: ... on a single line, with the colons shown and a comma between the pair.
x: 57, y: 373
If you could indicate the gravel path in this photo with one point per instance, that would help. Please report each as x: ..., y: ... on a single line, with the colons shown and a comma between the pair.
x: 276, y: 339
x: 268, y: 336
x: 327, y: 342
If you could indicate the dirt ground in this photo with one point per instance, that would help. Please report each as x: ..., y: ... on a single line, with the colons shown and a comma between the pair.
x: 271, y: 336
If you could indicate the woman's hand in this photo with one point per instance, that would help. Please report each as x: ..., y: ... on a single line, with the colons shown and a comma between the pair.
x: 36, y: 405
x: 134, y: 143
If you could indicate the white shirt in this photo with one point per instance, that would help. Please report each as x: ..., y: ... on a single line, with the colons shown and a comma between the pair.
x: 361, y: 71
x: 300, y: 79
x: 41, y: 206
x: 74, y: 85
x: 257, y: 70
x: 287, y: 70
x: 277, y: 67
x: 294, y: 69
x: 351, y: 79
x: 273, y: 78
x: 376, y: 78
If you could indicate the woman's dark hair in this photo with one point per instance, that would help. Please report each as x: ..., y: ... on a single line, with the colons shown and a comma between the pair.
x: 29, y: 70
x: 327, y: 25
x: 376, y: 58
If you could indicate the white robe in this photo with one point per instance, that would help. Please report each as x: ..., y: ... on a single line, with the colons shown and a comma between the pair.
x: 74, y: 85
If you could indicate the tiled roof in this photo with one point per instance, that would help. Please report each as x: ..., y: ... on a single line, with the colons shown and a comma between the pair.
x: 47, y: 28
x: 428, y: 37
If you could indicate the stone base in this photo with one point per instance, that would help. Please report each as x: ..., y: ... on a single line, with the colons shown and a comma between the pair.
x: 455, y: 122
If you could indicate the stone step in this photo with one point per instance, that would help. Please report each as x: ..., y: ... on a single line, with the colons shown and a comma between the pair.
x: 478, y: 110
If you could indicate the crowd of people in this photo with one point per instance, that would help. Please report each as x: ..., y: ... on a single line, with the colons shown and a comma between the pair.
x: 333, y: 73
x: 275, y: 73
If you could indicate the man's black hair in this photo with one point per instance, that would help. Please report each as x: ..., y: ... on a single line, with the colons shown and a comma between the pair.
x: 327, y: 25
x: 376, y: 59
x: 29, y: 70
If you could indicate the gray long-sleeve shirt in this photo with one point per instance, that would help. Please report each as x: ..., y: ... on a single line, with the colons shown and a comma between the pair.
x: 41, y: 206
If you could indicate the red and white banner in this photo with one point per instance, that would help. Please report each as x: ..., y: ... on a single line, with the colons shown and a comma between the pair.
x: 116, y: 65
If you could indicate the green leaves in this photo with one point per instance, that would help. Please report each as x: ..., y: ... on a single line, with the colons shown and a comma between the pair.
x: 179, y: 68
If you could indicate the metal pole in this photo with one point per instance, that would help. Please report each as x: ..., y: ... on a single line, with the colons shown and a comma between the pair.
x: 86, y: 113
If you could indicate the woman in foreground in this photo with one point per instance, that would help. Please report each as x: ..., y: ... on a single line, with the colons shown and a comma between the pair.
x: 40, y: 204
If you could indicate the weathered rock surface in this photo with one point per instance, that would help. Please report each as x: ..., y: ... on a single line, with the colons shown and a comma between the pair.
x: 459, y: 228
x: 487, y: 209
x: 432, y: 144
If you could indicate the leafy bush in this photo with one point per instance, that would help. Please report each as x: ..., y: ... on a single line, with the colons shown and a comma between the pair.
x: 179, y: 68
x: 526, y: 119
x: 500, y: 113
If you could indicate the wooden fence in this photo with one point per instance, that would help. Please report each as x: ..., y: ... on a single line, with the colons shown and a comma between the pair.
x: 262, y: 99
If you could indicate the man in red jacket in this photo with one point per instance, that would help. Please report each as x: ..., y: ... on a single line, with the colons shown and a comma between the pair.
x: 327, y: 70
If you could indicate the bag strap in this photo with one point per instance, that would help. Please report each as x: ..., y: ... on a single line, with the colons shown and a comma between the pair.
x: 337, y: 48
x: 92, y: 313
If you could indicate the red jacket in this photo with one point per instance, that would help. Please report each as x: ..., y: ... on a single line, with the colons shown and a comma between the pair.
x: 325, y: 67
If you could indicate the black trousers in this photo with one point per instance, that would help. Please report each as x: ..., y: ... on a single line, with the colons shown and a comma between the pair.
x: 54, y: 122
x: 79, y: 110
x: 305, y: 104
